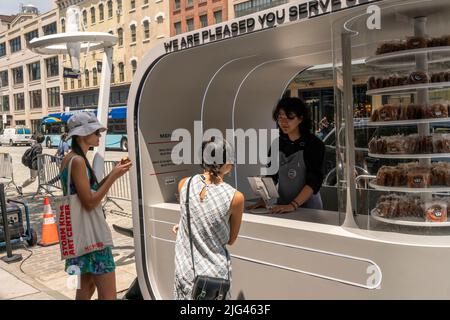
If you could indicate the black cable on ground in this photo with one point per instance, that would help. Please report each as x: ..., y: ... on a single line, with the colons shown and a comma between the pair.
x: 31, y: 253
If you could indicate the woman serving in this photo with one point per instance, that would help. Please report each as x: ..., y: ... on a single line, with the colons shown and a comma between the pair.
x: 301, y: 157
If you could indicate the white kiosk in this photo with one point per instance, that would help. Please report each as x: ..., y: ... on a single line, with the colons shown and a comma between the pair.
x: 230, y: 76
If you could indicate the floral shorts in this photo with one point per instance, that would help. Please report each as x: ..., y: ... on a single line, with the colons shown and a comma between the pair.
x: 97, y: 262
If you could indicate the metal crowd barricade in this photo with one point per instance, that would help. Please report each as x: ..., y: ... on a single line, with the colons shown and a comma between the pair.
x: 48, y: 174
x: 120, y: 190
x: 6, y: 170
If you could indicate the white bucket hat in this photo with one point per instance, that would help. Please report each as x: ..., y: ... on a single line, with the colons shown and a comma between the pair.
x: 82, y: 124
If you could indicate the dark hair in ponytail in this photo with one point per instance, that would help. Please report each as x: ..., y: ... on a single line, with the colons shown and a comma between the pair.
x: 216, y: 146
x: 77, y: 150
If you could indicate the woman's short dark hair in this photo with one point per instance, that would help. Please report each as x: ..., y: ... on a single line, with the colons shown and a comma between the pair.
x: 294, y: 106
x: 216, y: 152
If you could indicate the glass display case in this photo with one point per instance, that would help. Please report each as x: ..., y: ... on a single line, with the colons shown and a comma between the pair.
x: 402, y: 48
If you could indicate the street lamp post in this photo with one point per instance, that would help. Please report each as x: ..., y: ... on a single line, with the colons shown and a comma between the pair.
x: 73, y: 42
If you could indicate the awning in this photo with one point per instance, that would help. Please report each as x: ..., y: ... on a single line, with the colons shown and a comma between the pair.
x: 50, y: 120
x: 118, y: 113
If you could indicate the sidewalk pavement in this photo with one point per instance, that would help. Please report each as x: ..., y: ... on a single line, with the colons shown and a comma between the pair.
x: 25, y: 288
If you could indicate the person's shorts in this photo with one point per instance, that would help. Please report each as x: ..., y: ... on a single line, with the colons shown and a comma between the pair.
x: 97, y: 262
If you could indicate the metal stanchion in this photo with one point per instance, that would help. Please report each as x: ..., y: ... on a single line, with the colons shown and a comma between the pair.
x: 10, y: 257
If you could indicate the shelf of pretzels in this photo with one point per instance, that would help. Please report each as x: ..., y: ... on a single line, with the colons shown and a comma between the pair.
x: 417, y: 182
x: 402, y: 52
x: 413, y: 145
x: 411, y: 210
x: 415, y: 80
x: 411, y: 43
x: 413, y: 177
x: 405, y: 114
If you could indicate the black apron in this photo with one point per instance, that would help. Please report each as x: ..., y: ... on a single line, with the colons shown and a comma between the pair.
x: 292, y: 179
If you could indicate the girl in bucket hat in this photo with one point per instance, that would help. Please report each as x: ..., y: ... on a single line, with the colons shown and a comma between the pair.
x: 97, y: 269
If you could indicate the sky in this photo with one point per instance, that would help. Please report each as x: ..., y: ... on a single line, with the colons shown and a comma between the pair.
x: 9, y: 7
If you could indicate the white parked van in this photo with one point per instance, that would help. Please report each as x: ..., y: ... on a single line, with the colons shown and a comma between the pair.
x: 15, y: 136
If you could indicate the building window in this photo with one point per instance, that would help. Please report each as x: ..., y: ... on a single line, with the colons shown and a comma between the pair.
x: 34, y: 71
x: 18, y: 75
x: 20, y: 122
x: 121, y: 72
x: 35, y: 124
x: 133, y: 4
x: 110, y: 9
x: 189, y: 3
x: 5, y: 103
x: 53, y: 97
x: 85, y: 17
x: 4, y: 78
x: 218, y: 16
x: 204, y: 20
x: 35, y: 99
x: 80, y: 84
x: 133, y: 32
x: 52, y: 66
x: 145, y: 2
x: 63, y: 25
x: 146, y: 29
x: 177, y: 4
x: 2, y: 49
x: 86, y: 78
x: 253, y: 6
x: 133, y: 66
x: 119, y: 5
x: 94, y: 77
x: 92, y: 15
x: 190, y: 24
x: 31, y: 35
x: 120, y: 35
x: 19, y: 101
x: 113, y: 76
x: 87, y: 100
x: 101, y: 12
x: 50, y: 29
x: 65, y: 83
x: 177, y: 26
x: 15, y: 44
x: 72, y: 83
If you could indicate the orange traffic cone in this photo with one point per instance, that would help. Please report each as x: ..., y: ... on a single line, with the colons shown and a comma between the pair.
x: 49, y: 230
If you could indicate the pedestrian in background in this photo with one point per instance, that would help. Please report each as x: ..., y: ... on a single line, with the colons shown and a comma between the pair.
x: 30, y: 160
x: 63, y: 147
x: 97, y: 268
x: 216, y: 210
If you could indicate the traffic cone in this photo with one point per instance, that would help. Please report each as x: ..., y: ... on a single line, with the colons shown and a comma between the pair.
x: 49, y: 230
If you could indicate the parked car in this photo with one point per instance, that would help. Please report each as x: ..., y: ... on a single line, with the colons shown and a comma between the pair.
x: 15, y: 136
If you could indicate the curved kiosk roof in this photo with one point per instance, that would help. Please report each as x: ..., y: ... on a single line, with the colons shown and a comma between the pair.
x: 230, y: 76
